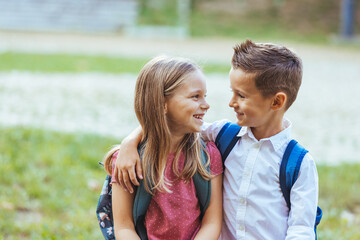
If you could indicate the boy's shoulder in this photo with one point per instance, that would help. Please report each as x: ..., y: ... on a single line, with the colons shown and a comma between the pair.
x: 213, y: 128
x: 216, y: 124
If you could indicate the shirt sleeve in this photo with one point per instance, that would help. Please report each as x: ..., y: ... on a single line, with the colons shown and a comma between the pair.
x: 304, y: 201
x: 114, y: 157
x: 216, y: 166
x: 209, y: 131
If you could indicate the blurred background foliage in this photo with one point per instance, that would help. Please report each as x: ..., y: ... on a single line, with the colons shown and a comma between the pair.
x: 307, y: 20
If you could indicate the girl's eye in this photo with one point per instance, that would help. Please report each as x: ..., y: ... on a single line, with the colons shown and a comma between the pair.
x: 195, y: 96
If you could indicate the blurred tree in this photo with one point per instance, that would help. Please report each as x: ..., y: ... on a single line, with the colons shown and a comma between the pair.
x: 317, y: 18
x: 159, y: 12
x: 347, y: 18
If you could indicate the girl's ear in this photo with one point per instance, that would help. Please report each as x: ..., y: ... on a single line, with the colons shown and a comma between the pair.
x: 279, y: 101
x: 165, y: 108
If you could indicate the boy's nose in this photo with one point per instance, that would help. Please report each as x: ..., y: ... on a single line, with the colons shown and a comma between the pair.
x: 231, y: 102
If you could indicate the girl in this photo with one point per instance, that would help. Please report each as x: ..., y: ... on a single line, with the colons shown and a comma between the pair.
x: 170, y: 106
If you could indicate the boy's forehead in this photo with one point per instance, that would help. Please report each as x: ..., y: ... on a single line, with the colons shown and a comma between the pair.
x: 237, y: 74
x: 243, y: 82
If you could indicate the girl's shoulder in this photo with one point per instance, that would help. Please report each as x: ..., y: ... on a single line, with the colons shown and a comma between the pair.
x: 212, y: 149
x: 216, y: 166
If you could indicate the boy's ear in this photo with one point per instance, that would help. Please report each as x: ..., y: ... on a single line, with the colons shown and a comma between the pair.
x: 279, y: 101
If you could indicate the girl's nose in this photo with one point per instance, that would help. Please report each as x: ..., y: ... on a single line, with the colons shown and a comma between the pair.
x: 205, y: 105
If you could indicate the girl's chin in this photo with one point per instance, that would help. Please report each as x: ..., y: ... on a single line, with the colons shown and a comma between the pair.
x: 197, y: 128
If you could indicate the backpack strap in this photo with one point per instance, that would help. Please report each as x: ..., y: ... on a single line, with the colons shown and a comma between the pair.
x: 141, y: 204
x: 289, y: 172
x: 319, y: 214
x: 202, y: 186
x: 143, y: 198
x: 289, y: 168
x: 227, y: 138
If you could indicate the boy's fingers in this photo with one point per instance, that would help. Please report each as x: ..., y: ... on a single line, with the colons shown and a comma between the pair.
x: 126, y: 181
x: 120, y: 180
x: 116, y: 174
x: 133, y: 178
x: 138, y: 169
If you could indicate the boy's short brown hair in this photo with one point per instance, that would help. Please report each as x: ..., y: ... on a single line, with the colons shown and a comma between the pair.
x: 275, y: 68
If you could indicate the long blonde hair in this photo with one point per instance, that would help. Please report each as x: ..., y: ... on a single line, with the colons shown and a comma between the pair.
x: 159, y: 79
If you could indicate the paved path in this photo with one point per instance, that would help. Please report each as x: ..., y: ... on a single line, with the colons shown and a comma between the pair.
x: 115, y: 45
x: 213, y: 50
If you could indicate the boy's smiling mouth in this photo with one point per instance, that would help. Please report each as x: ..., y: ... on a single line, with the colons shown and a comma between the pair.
x: 238, y: 114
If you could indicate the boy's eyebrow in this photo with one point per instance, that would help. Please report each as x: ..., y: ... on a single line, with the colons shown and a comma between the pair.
x: 242, y: 93
x: 236, y: 90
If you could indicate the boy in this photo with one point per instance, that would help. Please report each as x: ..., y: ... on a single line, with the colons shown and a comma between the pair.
x: 265, y: 79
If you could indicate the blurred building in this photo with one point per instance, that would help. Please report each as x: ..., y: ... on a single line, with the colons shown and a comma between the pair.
x: 68, y: 15
x: 98, y: 16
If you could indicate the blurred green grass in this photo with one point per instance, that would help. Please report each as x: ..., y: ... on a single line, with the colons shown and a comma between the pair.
x: 50, y: 183
x: 60, y: 63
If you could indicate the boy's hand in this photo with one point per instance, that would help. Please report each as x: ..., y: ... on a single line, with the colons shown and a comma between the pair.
x: 127, y: 162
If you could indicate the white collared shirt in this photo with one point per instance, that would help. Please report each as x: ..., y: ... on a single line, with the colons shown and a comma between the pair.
x: 253, y: 204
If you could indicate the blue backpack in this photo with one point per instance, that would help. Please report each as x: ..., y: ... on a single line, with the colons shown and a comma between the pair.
x: 290, y: 164
x: 141, y: 203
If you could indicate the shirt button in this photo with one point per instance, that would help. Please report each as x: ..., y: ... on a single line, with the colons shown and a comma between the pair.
x: 241, y: 228
x: 242, y: 201
x: 256, y: 145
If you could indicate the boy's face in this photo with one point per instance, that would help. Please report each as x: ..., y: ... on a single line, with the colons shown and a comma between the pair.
x: 252, y: 109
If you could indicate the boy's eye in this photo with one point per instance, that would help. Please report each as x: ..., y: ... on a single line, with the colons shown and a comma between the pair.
x: 237, y: 93
x: 241, y: 96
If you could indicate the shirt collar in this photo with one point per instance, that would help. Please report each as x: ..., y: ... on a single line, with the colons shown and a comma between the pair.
x: 243, y: 131
x: 282, y: 137
x: 277, y: 140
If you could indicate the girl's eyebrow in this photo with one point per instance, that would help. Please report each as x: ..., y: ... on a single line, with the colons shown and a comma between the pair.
x: 199, y: 90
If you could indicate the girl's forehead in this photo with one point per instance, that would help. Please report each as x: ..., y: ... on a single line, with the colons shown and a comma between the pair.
x: 191, y: 85
x: 195, y: 79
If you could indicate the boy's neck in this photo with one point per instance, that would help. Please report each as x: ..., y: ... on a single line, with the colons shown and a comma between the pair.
x: 268, y: 130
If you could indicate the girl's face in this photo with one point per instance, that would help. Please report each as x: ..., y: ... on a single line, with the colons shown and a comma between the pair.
x: 186, y: 108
